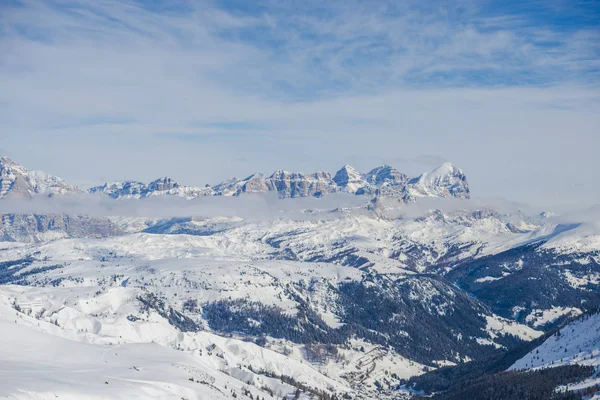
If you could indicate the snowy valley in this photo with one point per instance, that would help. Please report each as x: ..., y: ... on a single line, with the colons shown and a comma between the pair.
x: 315, y: 301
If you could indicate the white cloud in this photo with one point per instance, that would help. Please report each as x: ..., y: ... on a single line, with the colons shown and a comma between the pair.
x: 264, y: 206
x: 109, y: 90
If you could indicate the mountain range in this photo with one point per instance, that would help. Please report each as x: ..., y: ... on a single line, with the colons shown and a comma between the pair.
x: 445, y: 181
x: 371, y: 301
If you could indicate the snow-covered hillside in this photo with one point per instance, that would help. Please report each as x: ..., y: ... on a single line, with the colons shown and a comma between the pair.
x: 577, y: 343
x: 308, y: 297
x: 119, y: 356
x: 142, y: 288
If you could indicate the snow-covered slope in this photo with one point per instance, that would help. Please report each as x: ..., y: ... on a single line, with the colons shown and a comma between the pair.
x: 198, y: 283
x: 578, y: 343
x: 122, y: 353
x: 315, y: 301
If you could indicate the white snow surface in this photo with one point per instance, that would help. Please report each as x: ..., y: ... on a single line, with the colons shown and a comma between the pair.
x: 95, y: 304
x: 539, y: 318
x: 121, y: 359
x: 578, y: 343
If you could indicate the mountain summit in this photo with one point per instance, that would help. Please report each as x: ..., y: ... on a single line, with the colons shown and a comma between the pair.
x: 17, y: 181
x: 349, y: 179
x: 447, y: 180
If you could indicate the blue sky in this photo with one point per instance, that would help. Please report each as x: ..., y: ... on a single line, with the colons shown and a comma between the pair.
x: 205, y: 90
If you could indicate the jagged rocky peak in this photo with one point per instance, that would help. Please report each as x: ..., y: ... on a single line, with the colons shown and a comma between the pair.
x: 386, y: 175
x: 127, y: 189
x: 227, y: 188
x: 16, y: 180
x: 170, y: 187
x: 255, y: 183
x: 298, y: 184
x: 165, y: 183
x: 349, y: 179
x: 447, y: 180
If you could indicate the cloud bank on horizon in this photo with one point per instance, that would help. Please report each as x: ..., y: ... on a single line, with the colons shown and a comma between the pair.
x: 205, y: 90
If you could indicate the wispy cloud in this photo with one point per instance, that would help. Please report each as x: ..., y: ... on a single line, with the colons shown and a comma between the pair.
x: 301, y: 85
x: 254, y: 206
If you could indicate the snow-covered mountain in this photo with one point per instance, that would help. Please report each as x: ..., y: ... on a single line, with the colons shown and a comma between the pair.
x: 320, y: 302
x: 120, y: 345
x: 173, y: 289
x: 445, y: 181
x: 350, y: 180
x: 159, y: 187
x: 17, y: 181
x: 255, y: 183
x: 295, y: 184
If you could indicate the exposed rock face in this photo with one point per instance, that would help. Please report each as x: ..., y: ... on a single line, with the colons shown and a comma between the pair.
x: 294, y: 184
x: 255, y: 183
x: 17, y: 181
x: 35, y: 227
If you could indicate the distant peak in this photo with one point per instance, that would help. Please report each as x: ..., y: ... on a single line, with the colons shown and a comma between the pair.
x: 164, y: 179
x: 349, y: 178
x: 386, y: 174
x: 5, y: 160
x: 348, y: 170
x: 255, y: 175
x: 446, y: 168
x: 16, y: 178
x: 444, y: 181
